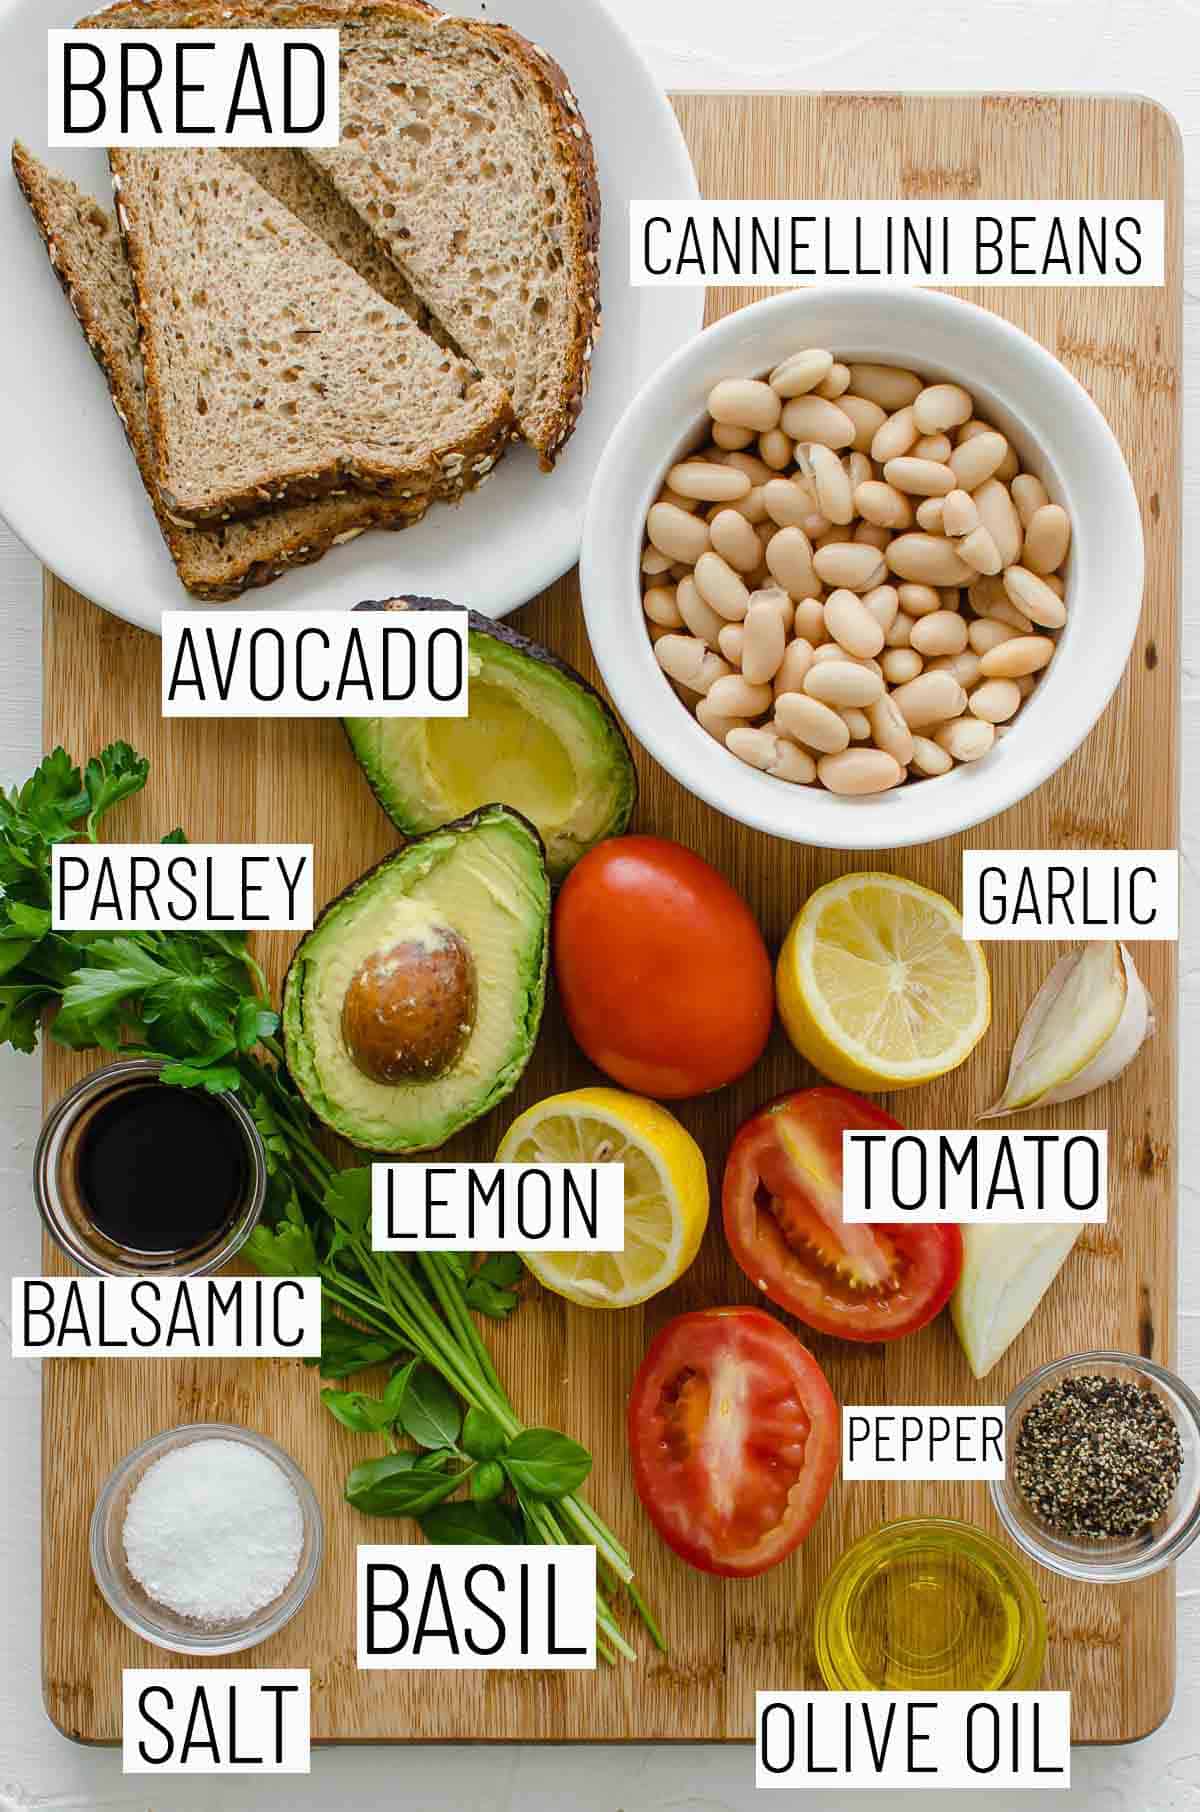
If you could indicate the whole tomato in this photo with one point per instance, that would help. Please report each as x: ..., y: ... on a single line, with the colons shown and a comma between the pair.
x: 664, y: 976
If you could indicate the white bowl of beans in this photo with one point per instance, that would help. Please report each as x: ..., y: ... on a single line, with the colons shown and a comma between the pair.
x: 862, y: 565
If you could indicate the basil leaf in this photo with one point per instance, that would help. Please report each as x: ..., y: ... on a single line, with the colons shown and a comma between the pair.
x: 357, y: 1410
x: 482, y: 1436
x: 437, y: 1461
x: 487, y: 1481
x: 397, y: 1384
x: 545, y: 1463
x: 429, y: 1411
x: 465, y: 1524
x: 393, y: 1486
x: 346, y: 1349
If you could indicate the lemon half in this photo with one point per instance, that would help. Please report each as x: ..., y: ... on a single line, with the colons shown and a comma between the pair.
x: 666, y: 1191
x: 877, y: 986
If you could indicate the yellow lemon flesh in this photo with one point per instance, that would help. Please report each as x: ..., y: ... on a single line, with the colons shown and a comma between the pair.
x: 666, y: 1191
x: 877, y: 987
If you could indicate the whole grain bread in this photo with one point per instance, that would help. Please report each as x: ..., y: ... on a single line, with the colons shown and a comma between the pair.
x: 464, y: 150
x: 215, y: 563
x: 273, y: 371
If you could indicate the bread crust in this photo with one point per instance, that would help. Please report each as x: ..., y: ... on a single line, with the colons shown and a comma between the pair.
x: 290, y: 544
x: 572, y: 143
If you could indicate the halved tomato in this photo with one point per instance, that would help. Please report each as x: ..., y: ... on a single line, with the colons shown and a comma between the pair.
x: 735, y: 1438
x: 782, y: 1204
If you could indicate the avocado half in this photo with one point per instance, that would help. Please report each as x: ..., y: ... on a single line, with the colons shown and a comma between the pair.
x: 538, y: 737
x: 478, y: 886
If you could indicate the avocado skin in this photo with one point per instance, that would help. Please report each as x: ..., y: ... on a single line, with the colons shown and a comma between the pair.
x: 615, y: 752
x: 492, y: 1089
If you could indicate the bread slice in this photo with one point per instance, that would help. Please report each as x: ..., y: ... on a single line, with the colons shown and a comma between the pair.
x: 464, y: 149
x: 273, y: 370
x: 215, y: 563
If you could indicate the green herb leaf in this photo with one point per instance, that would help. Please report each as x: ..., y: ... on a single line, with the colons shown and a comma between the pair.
x: 486, y: 1299
x: 482, y: 1436
x: 20, y: 1015
x: 504, y: 1269
x: 217, y: 1078
x: 346, y: 1349
x: 487, y: 1481
x: 357, y: 1410
x: 254, y: 1022
x: 348, y: 1201
x: 111, y: 776
x: 397, y: 1384
x: 385, y: 1487
x: 284, y: 1251
x: 470, y: 1524
x: 429, y: 1411
x: 546, y: 1464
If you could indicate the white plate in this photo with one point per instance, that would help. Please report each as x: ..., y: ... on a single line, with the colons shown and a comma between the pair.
x: 70, y: 490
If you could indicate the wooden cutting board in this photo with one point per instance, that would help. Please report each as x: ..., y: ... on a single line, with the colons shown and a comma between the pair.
x: 286, y: 782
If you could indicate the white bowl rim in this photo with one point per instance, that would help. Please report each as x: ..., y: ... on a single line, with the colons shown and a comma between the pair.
x: 970, y: 795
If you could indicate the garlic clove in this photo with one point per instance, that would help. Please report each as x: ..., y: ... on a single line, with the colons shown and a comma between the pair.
x: 1087, y: 1022
x: 1006, y: 1272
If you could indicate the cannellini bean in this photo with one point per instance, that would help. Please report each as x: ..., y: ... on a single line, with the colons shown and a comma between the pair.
x: 856, y: 721
x: 900, y: 633
x: 731, y: 439
x: 964, y: 666
x: 919, y: 477
x: 676, y: 534
x: 869, y: 534
x: 883, y: 602
x: 868, y: 419
x: 942, y: 632
x: 689, y: 505
x: 959, y: 514
x: 769, y: 593
x: 967, y: 739
x: 995, y: 701
x: 976, y: 460
x: 756, y: 470
x: 928, y: 758
x: 775, y: 450
x: 931, y: 515
x: 1009, y: 466
x: 890, y: 731
x: 718, y: 727
x: 942, y: 406
x: 758, y: 748
x: 859, y: 771
x: 1047, y: 538
x: 985, y: 633
x: 1030, y: 495
x: 1005, y: 611
x: 815, y: 526
x: 927, y: 559
x: 919, y: 600
x: 807, y: 720
x: 1034, y: 598
x: 812, y: 419
x: 733, y: 695
x: 979, y: 550
x: 655, y: 564
x: 729, y: 641
x: 686, y: 659
x: 1012, y: 660
x: 763, y: 643
x: 852, y: 625
x: 721, y: 587
x: 999, y: 518
x: 752, y: 506
x: 786, y: 504
x: 710, y: 483
x: 900, y: 665
x: 809, y: 621
x: 701, y: 618
x: 842, y: 683
x: 791, y: 562
x: 896, y: 437
x: 835, y: 498
x: 745, y: 403
x: 859, y: 469
x: 888, y: 385
x: 883, y: 504
x: 931, y: 698
x: 851, y: 564
x: 934, y: 446
x: 797, y: 659
x: 1056, y: 584
x: 734, y: 539
x: 661, y: 607
x: 793, y: 763
x: 800, y: 373
x: 836, y: 384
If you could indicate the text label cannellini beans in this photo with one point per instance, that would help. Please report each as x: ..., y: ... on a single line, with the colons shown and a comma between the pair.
x: 848, y: 578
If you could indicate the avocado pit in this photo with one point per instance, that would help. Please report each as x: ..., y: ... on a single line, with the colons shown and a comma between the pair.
x: 410, y: 1009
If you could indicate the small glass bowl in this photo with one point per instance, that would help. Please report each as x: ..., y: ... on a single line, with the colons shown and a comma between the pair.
x: 56, y: 1188
x: 155, y: 1622
x: 1116, y: 1561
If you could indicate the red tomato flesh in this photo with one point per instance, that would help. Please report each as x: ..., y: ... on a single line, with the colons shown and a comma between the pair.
x: 664, y: 977
x: 782, y: 1206
x: 735, y: 1438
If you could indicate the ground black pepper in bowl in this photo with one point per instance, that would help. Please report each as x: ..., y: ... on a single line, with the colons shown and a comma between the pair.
x: 1098, y: 1458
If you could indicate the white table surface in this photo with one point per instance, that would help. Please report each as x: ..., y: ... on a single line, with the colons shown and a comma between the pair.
x: 1144, y: 46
